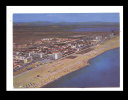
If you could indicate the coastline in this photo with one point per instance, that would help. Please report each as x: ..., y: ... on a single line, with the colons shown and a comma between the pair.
x: 103, y: 71
x: 53, y: 71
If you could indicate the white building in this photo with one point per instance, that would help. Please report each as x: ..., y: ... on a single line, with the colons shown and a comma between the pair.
x: 28, y: 59
x: 69, y: 44
x: 73, y: 46
x: 16, y: 53
x: 78, y: 49
x: 98, y: 37
x: 47, y: 39
x: 57, y: 55
x: 42, y: 55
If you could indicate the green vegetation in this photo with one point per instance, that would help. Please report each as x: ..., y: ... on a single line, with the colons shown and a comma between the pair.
x: 23, y: 32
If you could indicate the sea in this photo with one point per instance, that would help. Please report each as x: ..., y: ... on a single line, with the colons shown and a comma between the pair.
x: 103, y: 71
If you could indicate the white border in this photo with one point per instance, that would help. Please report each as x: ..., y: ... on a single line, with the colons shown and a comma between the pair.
x: 58, y: 9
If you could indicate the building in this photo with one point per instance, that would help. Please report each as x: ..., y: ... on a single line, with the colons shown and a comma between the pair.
x: 111, y: 35
x: 42, y: 55
x: 28, y: 59
x: 78, y: 49
x: 51, y: 56
x: 15, y: 65
x: 73, y: 46
x: 93, y: 42
x: 46, y: 39
x: 57, y: 55
x: 37, y: 55
x: 19, y: 57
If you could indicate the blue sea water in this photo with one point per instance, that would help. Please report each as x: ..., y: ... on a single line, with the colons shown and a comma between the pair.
x: 97, y: 29
x: 103, y: 71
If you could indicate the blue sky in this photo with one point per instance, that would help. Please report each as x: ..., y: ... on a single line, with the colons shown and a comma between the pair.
x: 66, y: 17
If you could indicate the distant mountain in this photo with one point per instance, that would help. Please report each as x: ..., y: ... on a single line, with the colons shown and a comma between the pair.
x: 41, y: 23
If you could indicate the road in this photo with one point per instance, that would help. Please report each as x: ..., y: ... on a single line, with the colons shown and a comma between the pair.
x: 34, y: 61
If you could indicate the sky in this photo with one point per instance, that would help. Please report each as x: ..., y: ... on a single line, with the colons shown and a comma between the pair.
x: 66, y: 17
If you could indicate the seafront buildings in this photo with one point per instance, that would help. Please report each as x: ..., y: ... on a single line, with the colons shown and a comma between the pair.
x: 51, y: 49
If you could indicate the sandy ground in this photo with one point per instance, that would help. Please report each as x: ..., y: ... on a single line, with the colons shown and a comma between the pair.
x: 52, y: 71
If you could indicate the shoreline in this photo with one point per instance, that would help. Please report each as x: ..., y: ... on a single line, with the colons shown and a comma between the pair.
x: 64, y: 66
x: 74, y: 68
x: 79, y: 76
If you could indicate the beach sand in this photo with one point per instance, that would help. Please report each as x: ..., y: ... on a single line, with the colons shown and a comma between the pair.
x: 52, y: 71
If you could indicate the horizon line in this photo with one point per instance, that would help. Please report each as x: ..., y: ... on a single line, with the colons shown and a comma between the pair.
x: 66, y: 21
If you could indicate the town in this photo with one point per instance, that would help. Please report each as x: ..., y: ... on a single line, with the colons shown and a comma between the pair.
x: 48, y: 50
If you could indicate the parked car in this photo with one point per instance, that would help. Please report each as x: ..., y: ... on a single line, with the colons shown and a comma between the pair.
x: 29, y: 68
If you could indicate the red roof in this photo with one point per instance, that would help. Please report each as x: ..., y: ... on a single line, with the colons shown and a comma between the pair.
x: 14, y: 64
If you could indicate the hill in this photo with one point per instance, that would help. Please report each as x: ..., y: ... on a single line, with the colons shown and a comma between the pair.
x: 42, y: 23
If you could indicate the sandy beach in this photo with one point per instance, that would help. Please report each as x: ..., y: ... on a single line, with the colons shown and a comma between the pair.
x: 47, y: 73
